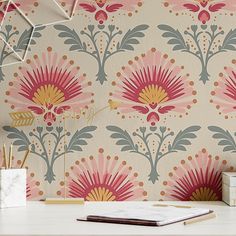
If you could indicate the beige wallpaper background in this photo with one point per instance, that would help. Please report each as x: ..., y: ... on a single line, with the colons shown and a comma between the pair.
x: 137, y: 98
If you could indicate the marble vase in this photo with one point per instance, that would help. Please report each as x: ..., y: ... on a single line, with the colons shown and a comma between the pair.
x: 12, y: 188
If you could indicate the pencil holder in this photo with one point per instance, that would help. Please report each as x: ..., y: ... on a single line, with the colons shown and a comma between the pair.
x: 12, y: 188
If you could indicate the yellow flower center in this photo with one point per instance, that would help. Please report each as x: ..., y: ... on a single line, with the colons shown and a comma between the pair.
x: 100, y: 194
x: 204, y: 194
x: 48, y: 94
x: 153, y: 94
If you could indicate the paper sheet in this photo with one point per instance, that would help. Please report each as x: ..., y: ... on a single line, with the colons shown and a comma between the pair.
x: 163, y: 215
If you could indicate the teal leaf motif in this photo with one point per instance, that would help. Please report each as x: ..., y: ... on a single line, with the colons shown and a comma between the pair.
x: 229, y: 42
x: 183, y: 138
x: 25, y: 37
x: 131, y: 38
x: 153, y: 143
x: 122, y: 137
x: 19, y: 137
x: 79, y: 139
x: 175, y: 37
x: 224, y: 137
x: 92, y: 36
x: 72, y: 38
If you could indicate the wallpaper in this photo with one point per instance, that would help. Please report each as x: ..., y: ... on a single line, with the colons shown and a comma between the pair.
x: 120, y: 100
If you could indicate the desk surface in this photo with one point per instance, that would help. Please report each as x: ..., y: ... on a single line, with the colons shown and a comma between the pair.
x: 47, y: 220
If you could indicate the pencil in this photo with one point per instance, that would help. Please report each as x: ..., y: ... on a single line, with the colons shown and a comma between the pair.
x: 165, y: 205
x: 200, y: 218
x: 10, y: 157
x: 25, y: 157
x: 4, y: 156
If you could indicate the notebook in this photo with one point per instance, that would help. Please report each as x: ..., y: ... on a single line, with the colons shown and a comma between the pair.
x: 149, y: 216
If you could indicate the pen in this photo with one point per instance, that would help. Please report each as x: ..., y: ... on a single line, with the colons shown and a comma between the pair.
x: 4, y: 156
x: 10, y: 157
x: 25, y: 157
x: 200, y: 218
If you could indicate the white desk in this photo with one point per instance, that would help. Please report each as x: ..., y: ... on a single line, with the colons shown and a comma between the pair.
x: 47, y: 220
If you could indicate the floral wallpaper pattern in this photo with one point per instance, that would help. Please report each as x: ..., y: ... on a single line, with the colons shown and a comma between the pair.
x: 128, y: 100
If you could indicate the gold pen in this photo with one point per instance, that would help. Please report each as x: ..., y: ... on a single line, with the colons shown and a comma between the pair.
x: 200, y: 218
x: 25, y: 157
x: 4, y: 156
x: 166, y: 205
x: 10, y: 157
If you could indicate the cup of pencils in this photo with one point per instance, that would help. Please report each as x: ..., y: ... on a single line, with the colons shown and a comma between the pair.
x: 12, y: 181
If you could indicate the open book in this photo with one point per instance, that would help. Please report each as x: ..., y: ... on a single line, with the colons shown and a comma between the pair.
x: 149, y: 216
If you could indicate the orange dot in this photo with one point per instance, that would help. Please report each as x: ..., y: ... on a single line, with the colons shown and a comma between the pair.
x: 166, y: 4
x: 204, y: 150
x: 162, y: 193
x: 140, y: 4
x: 101, y: 150
x: 141, y: 184
x: 144, y: 193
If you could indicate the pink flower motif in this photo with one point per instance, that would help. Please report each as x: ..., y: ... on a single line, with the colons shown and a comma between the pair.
x: 24, y: 5
x: 49, y: 87
x: 197, y: 179
x: 153, y: 86
x: 203, y: 8
x: 33, y: 191
x: 101, y: 9
x: 224, y: 95
x: 102, y: 179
